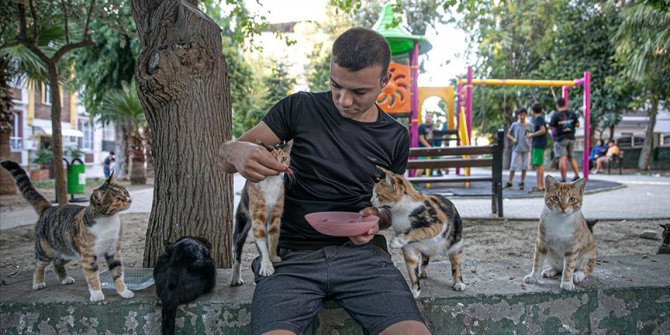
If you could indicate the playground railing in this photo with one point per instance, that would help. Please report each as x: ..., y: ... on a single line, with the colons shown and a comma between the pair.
x: 463, y: 157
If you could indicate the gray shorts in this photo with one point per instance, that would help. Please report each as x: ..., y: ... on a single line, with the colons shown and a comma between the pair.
x: 361, y: 279
x: 519, y: 159
x: 565, y: 147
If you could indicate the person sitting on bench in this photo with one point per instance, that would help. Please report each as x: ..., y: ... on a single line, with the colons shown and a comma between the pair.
x: 612, y: 152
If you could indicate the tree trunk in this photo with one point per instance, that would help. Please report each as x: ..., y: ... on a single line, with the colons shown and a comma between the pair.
x: 57, y: 149
x: 7, y: 184
x: 121, y: 139
x: 182, y: 83
x: 148, y: 152
x: 645, y: 154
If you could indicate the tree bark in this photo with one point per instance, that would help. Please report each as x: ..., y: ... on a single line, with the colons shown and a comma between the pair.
x: 7, y: 184
x: 182, y: 83
x: 138, y: 174
x: 647, y: 146
x: 57, y: 149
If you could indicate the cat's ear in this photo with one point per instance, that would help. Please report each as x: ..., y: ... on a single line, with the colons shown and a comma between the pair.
x: 549, y: 181
x: 97, y: 196
x: 580, y: 184
x: 286, y: 146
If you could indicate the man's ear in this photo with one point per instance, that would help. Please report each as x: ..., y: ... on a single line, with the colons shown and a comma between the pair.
x: 387, y: 78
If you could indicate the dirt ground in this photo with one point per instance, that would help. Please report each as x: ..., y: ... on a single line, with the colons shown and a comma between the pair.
x: 483, y: 241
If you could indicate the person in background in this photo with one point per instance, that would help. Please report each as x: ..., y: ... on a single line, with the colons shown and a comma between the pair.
x: 441, y: 128
x: 539, y: 139
x: 425, y: 133
x: 612, y: 151
x: 564, y: 124
x: 107, y: 163
x: 598, y: 150
x: 518, y: 135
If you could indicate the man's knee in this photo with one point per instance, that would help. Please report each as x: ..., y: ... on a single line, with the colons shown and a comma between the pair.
x: 406, y: 327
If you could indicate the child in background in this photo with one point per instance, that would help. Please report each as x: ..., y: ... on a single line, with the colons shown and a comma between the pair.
x: 539, y: 138
x: 517, y: 134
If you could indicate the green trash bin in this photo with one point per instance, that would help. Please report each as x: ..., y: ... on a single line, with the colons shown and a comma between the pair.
x: 76, y: 178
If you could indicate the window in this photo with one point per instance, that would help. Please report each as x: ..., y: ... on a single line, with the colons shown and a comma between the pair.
x: 86, y: 142
x: 47, y: 94
x: 16, y: 139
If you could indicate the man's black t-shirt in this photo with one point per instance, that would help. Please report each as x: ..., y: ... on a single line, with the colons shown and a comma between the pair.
x: 334, y: 160
x: 565, y: 123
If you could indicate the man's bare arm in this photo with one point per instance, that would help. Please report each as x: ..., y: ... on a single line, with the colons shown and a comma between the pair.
x: 251, y: 160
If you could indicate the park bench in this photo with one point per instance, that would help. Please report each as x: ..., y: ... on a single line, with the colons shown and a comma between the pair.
x: 616, y: 160
x: 462, y: 157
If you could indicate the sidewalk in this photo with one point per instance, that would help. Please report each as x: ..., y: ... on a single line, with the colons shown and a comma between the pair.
x: 641, y: 197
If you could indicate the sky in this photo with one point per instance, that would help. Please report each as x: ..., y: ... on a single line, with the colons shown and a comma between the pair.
x: 447, y: 41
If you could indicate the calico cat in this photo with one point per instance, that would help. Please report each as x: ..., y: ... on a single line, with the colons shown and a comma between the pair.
x: 260, y: 209
x: 183, y: 273
x: 665, y: 246
x: 564, y: 236
x: 425, y: 225
x: 68, y: 232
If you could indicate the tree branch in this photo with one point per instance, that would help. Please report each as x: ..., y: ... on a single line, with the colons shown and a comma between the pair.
x: 67, y: 48
x: 24, y: 39
x: 88, y: 19
x: 67, y: 32
x: 36, y: 25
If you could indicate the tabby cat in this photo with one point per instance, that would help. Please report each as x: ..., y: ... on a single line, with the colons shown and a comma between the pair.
x: 69, y: 232
x: 425, y: 225
x: 564, y: 237
x: 183, y: 273
x: 260, y: 209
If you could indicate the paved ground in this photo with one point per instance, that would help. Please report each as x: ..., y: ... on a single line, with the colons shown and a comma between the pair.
x: 608, y: 197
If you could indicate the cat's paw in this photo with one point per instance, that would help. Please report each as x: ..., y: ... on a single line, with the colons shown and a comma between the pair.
x: 126, y: 293
x: 459, y: 287
x: 416, y: 291
x: 96, y: 295
x: 39, y: 286
x: 530, y: 279
x: 266, y: 269
x: 550, y: 272
x: 275, y: 259
x: 567, y: 285
x: 578, y: 277
x: 423, y: 274
x: 398, y: 242
x: 236, y: 282
x: 67, y: 281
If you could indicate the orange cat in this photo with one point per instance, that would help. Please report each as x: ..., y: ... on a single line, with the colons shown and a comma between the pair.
x: 564, y: 237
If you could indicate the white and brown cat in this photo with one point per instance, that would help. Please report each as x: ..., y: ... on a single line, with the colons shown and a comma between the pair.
x: 70, y: 232
x: 564, y: 237
x: 260, y: 209
x: 426, y: 225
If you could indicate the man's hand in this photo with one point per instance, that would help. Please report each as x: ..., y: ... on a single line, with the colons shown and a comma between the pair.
x: 252, y: 161
x: 367, y: 236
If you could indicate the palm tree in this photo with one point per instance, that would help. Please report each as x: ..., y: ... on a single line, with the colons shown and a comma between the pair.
x: 643, y: 46
x: 124, y: 107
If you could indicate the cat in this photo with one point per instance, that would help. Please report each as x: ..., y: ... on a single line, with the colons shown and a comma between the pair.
x: 184, y: 272
x: 665, y: 246
x: 564, y: 236
x: 426, y: 225
x: 68, y: 232
x: 260, y: 209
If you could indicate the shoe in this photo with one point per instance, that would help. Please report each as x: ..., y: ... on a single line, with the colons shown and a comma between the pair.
x: 522, y: 186
x: 575, y: 178
x: 563, y: 180
x: 536, y: 190
x: 594, y: 172
x: 508, y: 185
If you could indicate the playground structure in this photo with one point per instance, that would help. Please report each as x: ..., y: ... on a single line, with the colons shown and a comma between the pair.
x: 403, y: 98
x: 464, y: 88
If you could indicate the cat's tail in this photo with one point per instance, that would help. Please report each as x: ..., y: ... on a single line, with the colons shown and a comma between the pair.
x: 168, y: 315
x: 39, y: 202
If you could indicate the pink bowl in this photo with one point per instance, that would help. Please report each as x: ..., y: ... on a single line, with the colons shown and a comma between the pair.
x: 341, y: 223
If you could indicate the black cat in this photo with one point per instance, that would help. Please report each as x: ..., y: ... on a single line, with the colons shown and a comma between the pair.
x: 184, y: 272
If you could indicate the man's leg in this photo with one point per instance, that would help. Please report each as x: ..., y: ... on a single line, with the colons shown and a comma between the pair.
x: 406, y: 327
x: 540, y: 176
x: 563, y: 165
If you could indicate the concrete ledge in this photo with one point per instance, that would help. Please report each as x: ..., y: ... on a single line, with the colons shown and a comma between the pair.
x: 626, y: 295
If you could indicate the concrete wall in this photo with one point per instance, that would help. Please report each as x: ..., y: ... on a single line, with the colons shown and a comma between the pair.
x: 626, y: 295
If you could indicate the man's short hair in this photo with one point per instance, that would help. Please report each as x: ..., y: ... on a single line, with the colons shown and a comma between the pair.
x: 560, y: 102
x: 111, y: 152
x: 519, y: 111
x: 358, y: 48
x: 536, y: 108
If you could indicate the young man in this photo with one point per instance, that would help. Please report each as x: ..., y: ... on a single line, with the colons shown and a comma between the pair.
x: 539, y: 138
x: 425, y: 133
x: 517, y: 134
x: 564, y: 123
x: 339, y: 139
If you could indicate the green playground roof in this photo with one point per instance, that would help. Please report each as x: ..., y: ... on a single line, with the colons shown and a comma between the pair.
x: 400, y: 40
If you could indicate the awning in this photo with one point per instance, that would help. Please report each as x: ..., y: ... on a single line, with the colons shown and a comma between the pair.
x: 47, y: 131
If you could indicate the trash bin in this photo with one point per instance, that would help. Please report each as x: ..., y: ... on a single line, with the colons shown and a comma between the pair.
x: 76, y: 177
